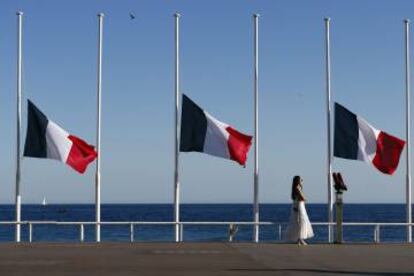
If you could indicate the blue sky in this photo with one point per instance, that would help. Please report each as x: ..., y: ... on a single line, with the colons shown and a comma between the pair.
x: 60, y: 39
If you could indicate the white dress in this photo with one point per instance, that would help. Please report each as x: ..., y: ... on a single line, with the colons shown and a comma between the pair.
x: 299, y: 225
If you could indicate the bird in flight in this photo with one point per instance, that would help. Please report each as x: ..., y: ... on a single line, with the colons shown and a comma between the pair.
x: 132, y: 16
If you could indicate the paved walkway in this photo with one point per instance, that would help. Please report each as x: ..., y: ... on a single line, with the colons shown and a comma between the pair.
x: 204, y: 259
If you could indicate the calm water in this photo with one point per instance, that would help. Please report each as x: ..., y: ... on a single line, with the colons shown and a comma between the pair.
x: 278, y: 213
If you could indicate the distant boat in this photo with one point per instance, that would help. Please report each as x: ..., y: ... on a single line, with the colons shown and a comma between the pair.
x: 44, y: 201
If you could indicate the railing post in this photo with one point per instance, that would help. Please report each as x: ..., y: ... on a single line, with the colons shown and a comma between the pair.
x: 30, y: 232
x: 232, y: 231
x: 378, y: 233
x: 377, y: 238
x: 82, y: 233
x: 131, y: 232
x: 181, y: 232
x: 280, y: 232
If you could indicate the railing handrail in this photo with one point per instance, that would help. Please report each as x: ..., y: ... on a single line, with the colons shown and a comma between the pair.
x: 230, y: 224
x: 49, y: 222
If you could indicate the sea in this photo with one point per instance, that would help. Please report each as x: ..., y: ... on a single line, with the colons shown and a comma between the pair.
x: 277, y: 213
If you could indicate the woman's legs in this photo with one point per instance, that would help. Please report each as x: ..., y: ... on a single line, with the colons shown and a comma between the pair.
x: 302, y: 242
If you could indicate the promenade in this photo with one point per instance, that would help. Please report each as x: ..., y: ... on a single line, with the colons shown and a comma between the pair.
x: 204, y: 259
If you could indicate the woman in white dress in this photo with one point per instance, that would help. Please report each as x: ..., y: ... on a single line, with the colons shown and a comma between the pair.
x: 299, y: 228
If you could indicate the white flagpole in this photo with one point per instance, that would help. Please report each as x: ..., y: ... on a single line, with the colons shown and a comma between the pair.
x: 256, y: 129
x: 98, y: 133
x: 408, y: 122
x: 328, y: 122
x: 19, y: 123
x: 176, y: 130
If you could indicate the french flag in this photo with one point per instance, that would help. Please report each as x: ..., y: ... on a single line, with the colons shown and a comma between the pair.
x: 45, y: 139
x: 356, y: 139
x: 201, y: 132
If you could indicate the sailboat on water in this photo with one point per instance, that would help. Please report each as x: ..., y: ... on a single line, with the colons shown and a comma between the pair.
x: 44, y: 201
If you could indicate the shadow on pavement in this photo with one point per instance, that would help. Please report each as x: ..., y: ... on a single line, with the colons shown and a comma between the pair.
x: 319, y: 271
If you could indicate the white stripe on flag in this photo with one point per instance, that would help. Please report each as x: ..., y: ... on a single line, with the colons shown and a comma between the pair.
x: 57, y: 142
x: 367, y: 140
x: 216, y: 138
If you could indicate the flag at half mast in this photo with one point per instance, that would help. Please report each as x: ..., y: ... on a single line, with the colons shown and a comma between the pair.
x: 45, y: 139
x: 356, y: 139
x: 201, y: 132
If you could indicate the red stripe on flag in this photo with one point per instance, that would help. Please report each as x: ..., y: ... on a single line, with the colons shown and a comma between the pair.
x: 388, y: 153
x: 239, y: 144
x: 81, y: 154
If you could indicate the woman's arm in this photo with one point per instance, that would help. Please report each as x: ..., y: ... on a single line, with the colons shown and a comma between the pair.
x: 300, y: 195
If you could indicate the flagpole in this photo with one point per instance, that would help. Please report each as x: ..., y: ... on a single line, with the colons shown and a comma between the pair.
x: 98, y: 133
x: 328, y: 122
x: 256, y: 129
x: 19, y: 123
x: 176, y: 133
x: 408, y: 128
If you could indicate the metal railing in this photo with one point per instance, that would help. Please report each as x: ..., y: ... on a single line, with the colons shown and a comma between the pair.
x: 232, y: 225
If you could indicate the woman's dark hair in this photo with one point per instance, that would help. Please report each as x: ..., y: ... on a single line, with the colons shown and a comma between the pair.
x: 295, y: 184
